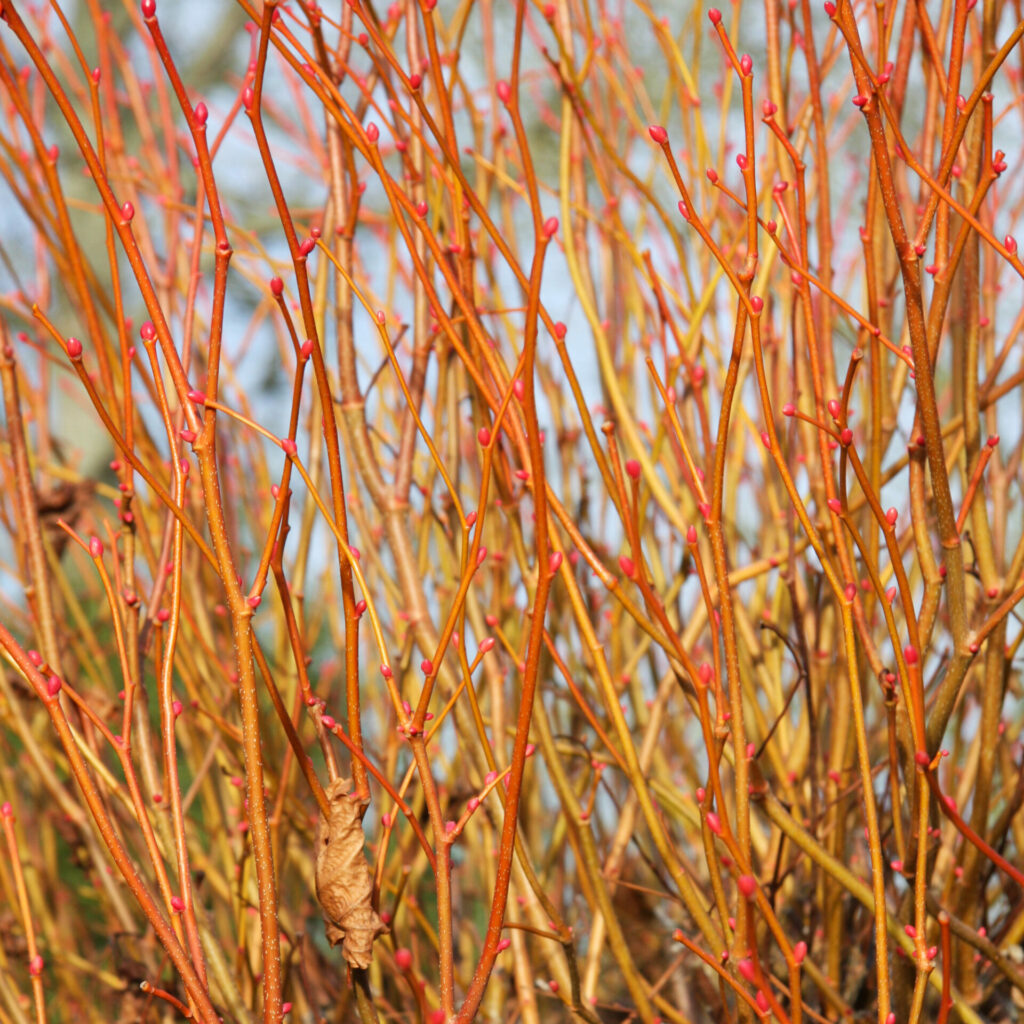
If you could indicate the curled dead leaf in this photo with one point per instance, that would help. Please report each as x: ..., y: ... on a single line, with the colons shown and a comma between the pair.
x: 343, y: 883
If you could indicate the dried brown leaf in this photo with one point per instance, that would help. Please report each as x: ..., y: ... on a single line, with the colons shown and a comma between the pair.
x: 343, y: 882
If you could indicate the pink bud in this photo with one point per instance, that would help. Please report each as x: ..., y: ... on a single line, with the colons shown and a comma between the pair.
x: 201, y: 114
x: 746, y: 64
x: 746, y: 968
x: 555, y: 561
x: 800, y: 951
x: 503, y: 944
x: 633, y: 468
x: 426, y: 666
x: 789, y: 409
x: 74, y: 348
x: 715, y: 16
x: 1011, y: 244
x: 504, y: 91
x: 35, y: 966
x: 756, y: 303
x: 487, y: 644
x: 627, y: 565
x: 5, y: 810
x: 53, y: 685
x: 835, y: 504
x: 550, y: 227
x: 483, y: 435
x: 95, y: 547
x: 127, y: 211
x: 176, y: 707
x: 910, y: 930
x: 658, y: 134
x: 747, y: 885
x: 372, y: 133
x: 276, y: 287
x: 148, y: 8
x: 328, y: 721
x: 891, y: 516
x: 403, y: 959
x: 714, y: 823
x: 910, y: 654
x: 288, y: 446
x: 691, y: 534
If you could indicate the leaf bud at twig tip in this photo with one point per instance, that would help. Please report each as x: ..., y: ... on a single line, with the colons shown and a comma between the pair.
x: 658, y: 134
x: 95, y: 547
x: 148, y: 8
x: 74, y: 348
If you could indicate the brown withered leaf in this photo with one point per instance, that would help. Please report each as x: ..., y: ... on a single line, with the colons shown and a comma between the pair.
x: 343, y: 882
